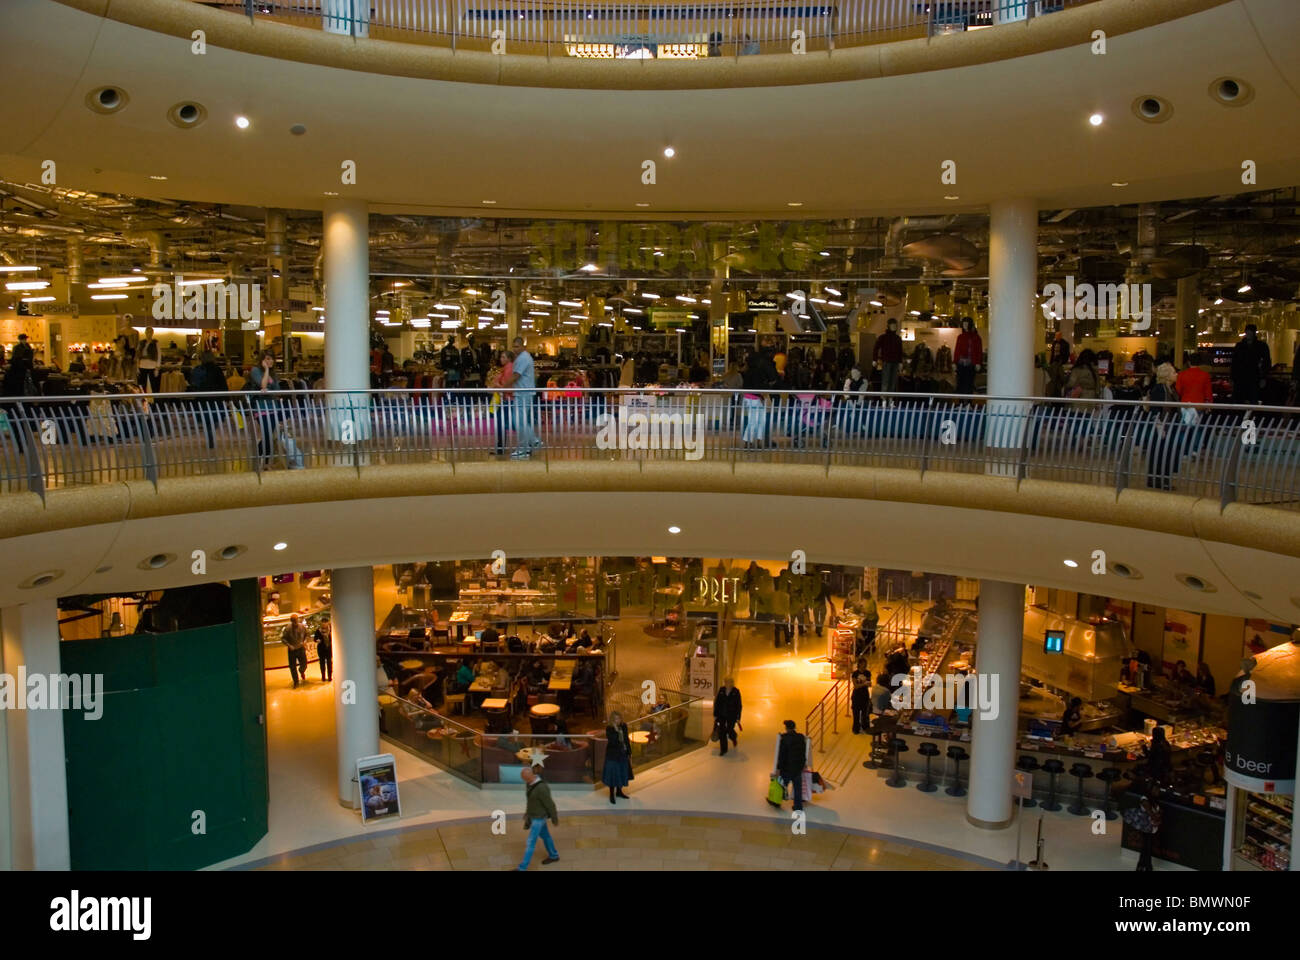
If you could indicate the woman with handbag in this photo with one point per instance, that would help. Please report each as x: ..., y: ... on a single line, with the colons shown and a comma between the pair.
x: 617, y: 772
x: 1146, y: 818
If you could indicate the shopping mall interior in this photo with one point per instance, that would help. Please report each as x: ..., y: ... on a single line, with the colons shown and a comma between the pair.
x: 927, y: 373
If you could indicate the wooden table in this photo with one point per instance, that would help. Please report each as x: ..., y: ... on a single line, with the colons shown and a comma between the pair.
x: 387, y: 699
x: 495, y: 703
x: 411, y: 664
x: 482, y: 685
x: 545, y: 710
x: 561, y: 677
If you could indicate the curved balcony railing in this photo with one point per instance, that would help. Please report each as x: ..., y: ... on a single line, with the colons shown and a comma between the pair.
x: 1235, y: 453
x: 608, y: 29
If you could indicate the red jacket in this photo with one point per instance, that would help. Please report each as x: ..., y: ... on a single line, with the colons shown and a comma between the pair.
x: 1193, y: 386
x: 969, y: 347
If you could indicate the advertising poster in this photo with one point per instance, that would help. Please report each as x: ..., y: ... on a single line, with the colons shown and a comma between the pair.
x: 377, y: 776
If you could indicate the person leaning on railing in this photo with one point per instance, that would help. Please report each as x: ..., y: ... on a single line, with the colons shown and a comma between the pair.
x: 262, y: 381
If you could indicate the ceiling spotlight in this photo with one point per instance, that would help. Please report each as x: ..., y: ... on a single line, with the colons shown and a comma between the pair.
x: 1096, y: 119
x: 674, y: 529
x: 1218, y: 300
x: 154, y: 176
x: 591, y: 267
x: 1119, y: 183
x: 489, y: 202
x: 951, y: 196
x: 280, y: 546
x: 241, y: 123
x: 642, y: 204
x: 669, y: 152
x: 794, y: 203
x: 1244, y: 288
x: 1071, y: 564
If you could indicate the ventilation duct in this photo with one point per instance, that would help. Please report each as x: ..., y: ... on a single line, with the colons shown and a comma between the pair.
x: 74, y: 260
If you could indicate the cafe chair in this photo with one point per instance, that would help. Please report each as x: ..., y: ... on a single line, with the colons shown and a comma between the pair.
x: 956, y: 755
x: 1107, y: 777
x: 1028, y: 765
x: 897, y: 747
x: 1053, y: 768
x: 929, y: 751
x: 1082, y: 772
x: 454, y: 700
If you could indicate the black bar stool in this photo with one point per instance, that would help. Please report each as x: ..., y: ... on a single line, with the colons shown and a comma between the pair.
x: 1109, y: 776
x: 1052, y: 767
x: 879, y: 727
x: 929, y: 751
x: 1082, y: 772
x: 957, y: 755
x: 1028, y: 765
x: 897, y: 746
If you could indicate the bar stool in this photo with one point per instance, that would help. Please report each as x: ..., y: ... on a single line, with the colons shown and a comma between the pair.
x: 1082, y: 772
x: 879, y: 727
x: 1028, y: 765
x: 897, y: 746
x: 929, y: 751
x: 1052, y: 767
x: 1108, y: 776
x: 957, y: 755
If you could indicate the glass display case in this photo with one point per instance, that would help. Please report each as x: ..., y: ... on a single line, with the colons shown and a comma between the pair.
x: 1262, y: 832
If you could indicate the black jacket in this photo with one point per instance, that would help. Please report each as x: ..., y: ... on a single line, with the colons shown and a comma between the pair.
x: 726, y: 705
x: 619, y: 747
x: 1250, y: 361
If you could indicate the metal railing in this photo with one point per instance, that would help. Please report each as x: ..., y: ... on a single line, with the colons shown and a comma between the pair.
x: 828, y: 707
x: 1230, y: 453
x: 609, y: 29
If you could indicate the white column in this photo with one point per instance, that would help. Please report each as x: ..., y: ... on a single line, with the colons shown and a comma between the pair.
x: 1013, y: 285
x: 356, y: 713
x: 34, y: 812
x: 993, y: 739
x: 346, y: 239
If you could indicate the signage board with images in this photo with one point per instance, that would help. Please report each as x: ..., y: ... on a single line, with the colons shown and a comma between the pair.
x: 703, y: 683
x: 377, y: 777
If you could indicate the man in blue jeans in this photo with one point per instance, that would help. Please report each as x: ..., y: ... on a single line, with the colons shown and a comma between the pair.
x: 524, y: 385
x: 538, y: 808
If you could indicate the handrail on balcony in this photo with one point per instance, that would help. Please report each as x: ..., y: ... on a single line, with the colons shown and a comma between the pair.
x: 1232, y: 453
x: 608, y: 29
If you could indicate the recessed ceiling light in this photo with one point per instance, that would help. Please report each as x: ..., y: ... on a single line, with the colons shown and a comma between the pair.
x: 241, y: 123
x: 280, y: 546
x: 1096, y: 119
x: 489, y: 202
x: 1218, y: 300
x: 669, y: 152
x: 951, y: 196
x: 643, y: 204
x: 37, y: 299
x: 1244, y: 288
x: 794, y: 203
x: 154, y: 176
x: 4, y: 268
x: 589, y: 267
x: 1071, y: 564
x: 109, y: 296
x: 674, y: 529
x: 27, y: 285
x: 1119, y: 183
x: 331, y: 193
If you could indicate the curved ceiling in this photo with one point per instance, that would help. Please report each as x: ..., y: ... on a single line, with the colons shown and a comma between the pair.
x: 1014, y: 127
x: 100, y: 540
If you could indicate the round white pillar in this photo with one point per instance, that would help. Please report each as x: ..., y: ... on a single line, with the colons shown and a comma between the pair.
x: 1013, y: 286
x: 346, y: 242
x: 993, y: 738
x: 356, y: 713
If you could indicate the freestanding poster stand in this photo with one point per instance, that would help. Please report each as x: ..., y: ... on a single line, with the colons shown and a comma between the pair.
x: 377, y: 777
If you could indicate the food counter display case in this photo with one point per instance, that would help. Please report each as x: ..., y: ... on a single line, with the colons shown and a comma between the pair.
x: 1262, y: 832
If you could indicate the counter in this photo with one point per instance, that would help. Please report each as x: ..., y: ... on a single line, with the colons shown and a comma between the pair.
x: 1191, y: 829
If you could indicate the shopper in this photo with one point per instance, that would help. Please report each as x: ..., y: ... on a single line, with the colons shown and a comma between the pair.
x: 501, y: 378
x: 789, y: 760
x: 760, y: 374
x: 1146, y: 818
x: 887, y: 355
x: 1165, y: 431
x: 1251, y: 363
x: 324, y: 637
x: 968, y: 355
x: 149, y: 359
x: 1083, y: 382
x: 524, y: 382
x: 617, y: 772
x: 262, y: 381
x: 870, y: 619
x: 726, y: 714
x: 22, y: 351
x: 294, y: 636
x: 1159, y: 756
x: 821, y: 600
x: 538, y: 808
x: 861, y: 697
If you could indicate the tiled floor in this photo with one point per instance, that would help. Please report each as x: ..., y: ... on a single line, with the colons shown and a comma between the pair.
x: 631, y: 841
x: 444, y: 819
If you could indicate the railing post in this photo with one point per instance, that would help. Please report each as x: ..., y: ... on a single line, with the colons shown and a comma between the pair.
x: 35, y: 471
x: 925, y: 436
x: 1125, y: 456
x: 1231, y: 469
x: 148, y: 457
x: 1022, y: 468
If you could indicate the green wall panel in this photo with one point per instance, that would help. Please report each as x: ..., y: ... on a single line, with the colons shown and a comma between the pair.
x: 183, y: 729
